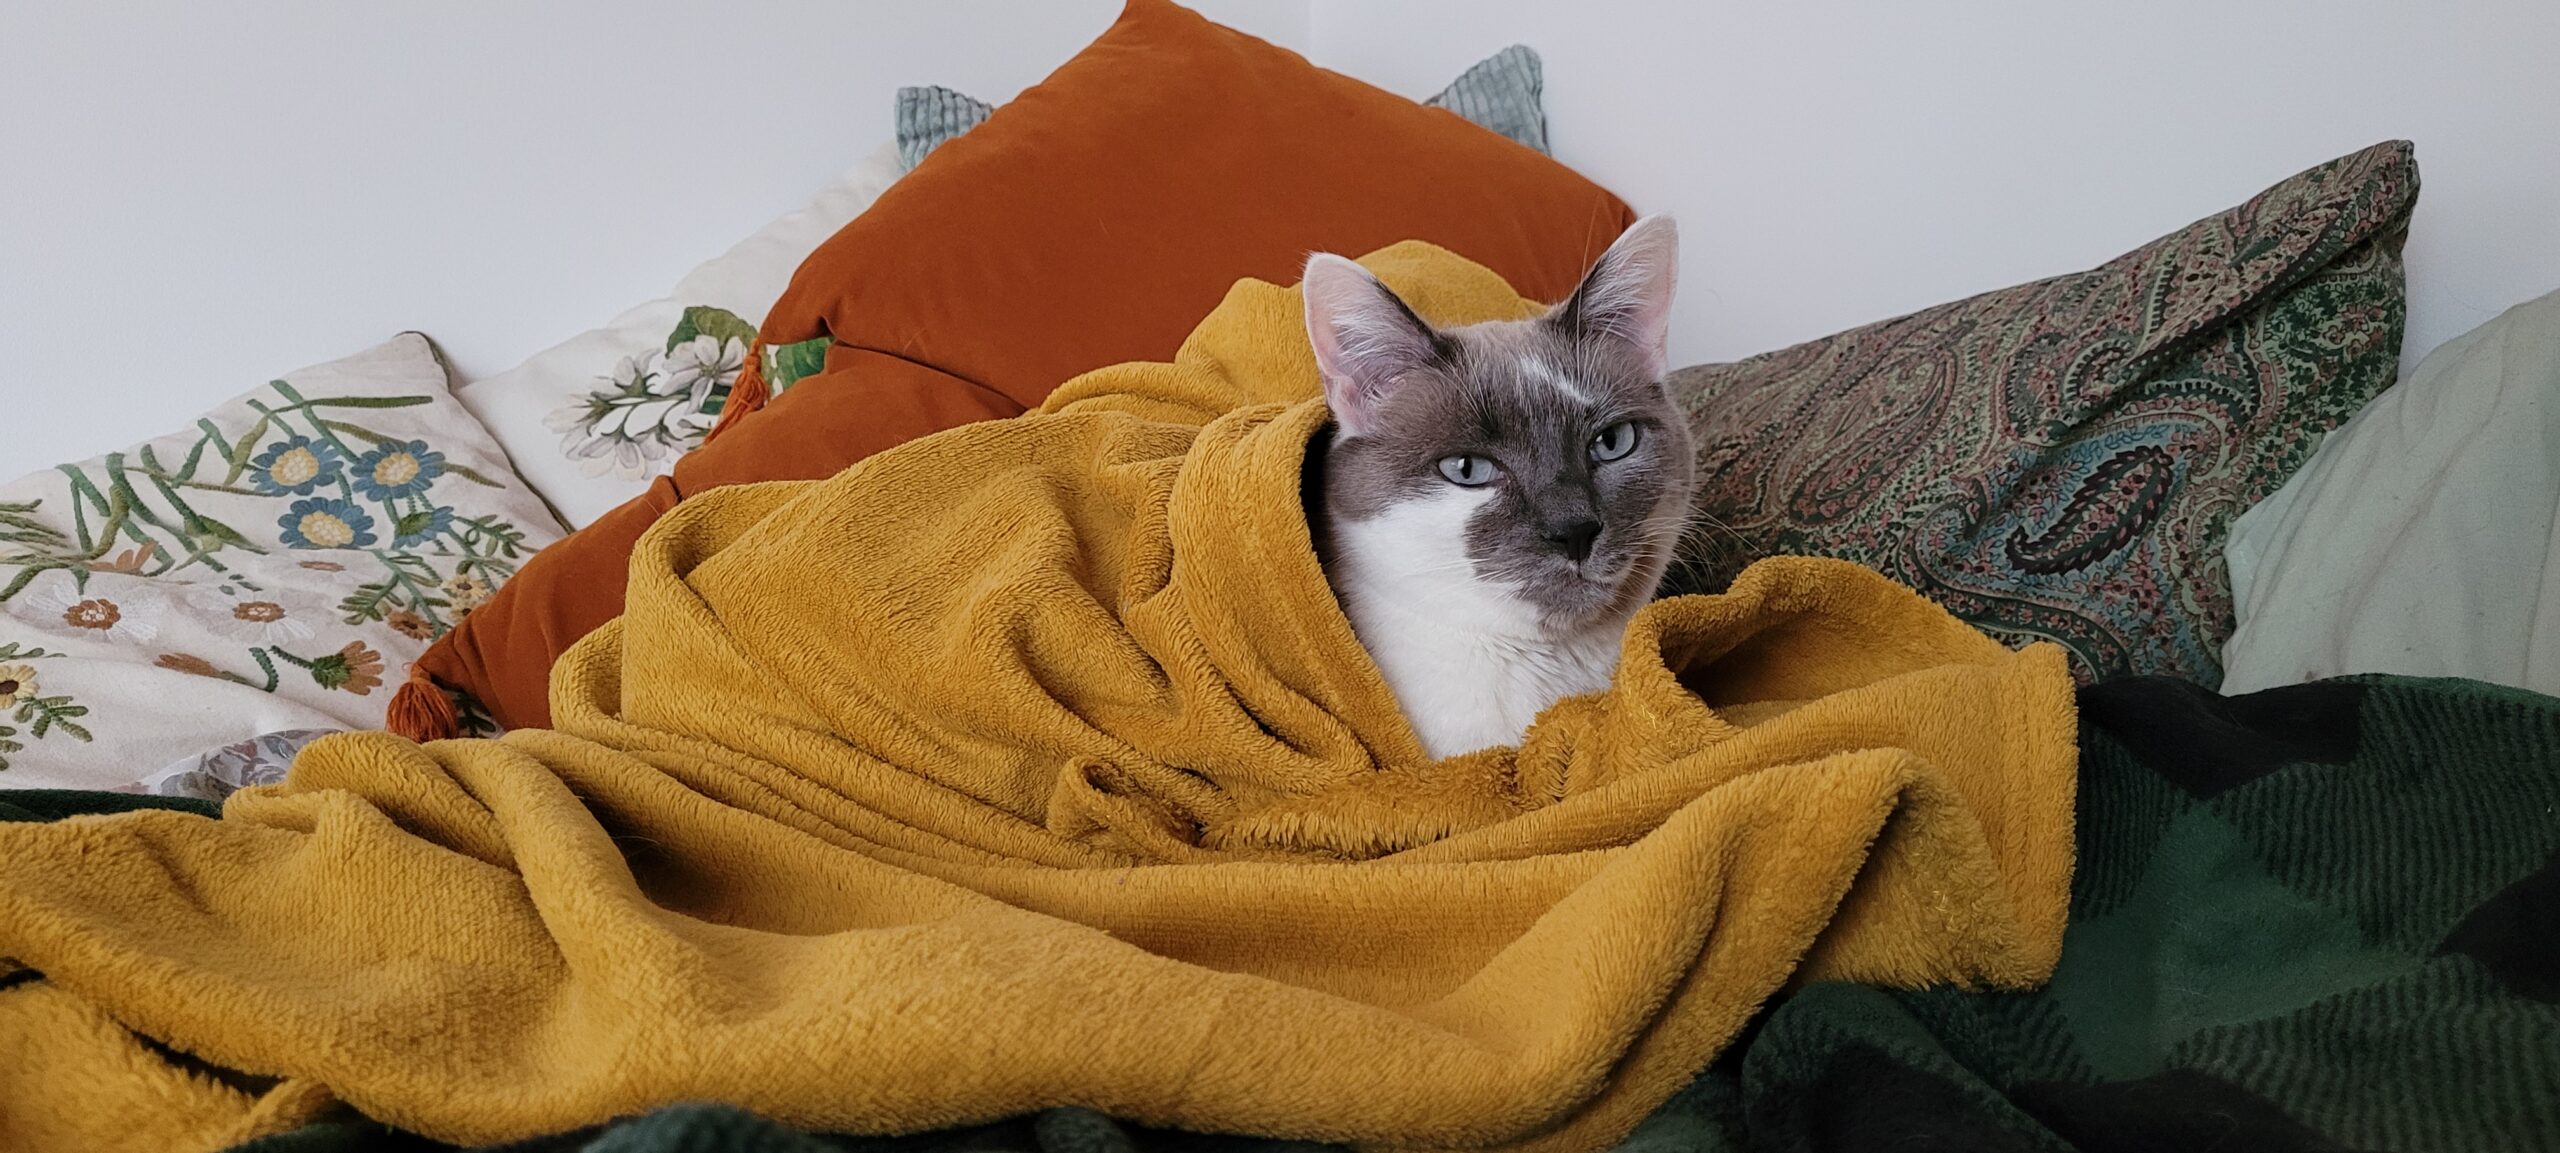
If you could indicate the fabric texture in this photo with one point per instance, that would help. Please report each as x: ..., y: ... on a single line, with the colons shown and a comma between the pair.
x: 269, y: 567
x: 2322, y: 917
x: 1091, y: 221
x: 225, y: 769
x: 55, y: 804
x: 722, y: 1129
x: 1504, y: 92
x: 2315, y: 918
x: 929, y: 116
x: 849, y: 825
x: 2062, y: 460
x: 591, y: 421
x: 2419, y: 539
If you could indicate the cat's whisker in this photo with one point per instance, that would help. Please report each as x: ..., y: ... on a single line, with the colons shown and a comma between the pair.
x: 1710, y: 521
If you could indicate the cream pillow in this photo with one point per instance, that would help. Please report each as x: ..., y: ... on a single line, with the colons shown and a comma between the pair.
x: 2418, y: 539
x: 591, y: 421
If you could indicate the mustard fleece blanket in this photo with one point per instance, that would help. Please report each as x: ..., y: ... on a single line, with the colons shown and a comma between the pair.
x: 1032, y: 764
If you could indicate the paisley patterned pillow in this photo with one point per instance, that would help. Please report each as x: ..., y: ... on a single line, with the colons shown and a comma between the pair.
x: 2062, y: 460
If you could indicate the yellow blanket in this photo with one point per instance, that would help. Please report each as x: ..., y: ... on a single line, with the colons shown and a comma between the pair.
x: 1032, y: 764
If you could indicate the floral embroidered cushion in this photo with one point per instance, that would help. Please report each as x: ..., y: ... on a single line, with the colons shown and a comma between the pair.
x: 218, y: 772
x: 274, y: 566
x: 1504, y: 92
x: 591, y: 421
x: 2062, y: 460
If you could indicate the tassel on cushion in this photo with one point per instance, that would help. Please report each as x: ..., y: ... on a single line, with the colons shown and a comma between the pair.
x: 746, y: 395
x: 422, y: 710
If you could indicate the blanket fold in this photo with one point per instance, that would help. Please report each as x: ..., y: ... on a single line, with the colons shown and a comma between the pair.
x: 1033, y: 765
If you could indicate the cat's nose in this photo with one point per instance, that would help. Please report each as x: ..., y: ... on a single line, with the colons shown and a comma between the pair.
x: 1573, y: 538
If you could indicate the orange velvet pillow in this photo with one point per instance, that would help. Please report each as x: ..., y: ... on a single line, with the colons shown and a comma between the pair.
x: 1093, y: 220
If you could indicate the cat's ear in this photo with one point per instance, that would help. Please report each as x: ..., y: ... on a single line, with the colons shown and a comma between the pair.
x: 1364, y: 336
x: 1627, y: 294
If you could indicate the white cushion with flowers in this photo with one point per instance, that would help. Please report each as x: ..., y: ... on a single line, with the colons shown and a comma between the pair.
x: 591, y: 421
x: 274, y: 566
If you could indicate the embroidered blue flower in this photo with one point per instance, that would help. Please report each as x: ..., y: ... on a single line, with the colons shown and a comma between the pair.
x: 295, y: 467
x: 326, y: 522
x: 397, y: 468
x: 409, y: 530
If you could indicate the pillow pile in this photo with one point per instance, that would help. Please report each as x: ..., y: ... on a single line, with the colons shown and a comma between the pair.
x: 2061, y: 460
x: 1092, y: 220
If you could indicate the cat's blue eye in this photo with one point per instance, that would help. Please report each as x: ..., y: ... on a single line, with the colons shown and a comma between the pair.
x: 1469, y: 470
x: 1615, y: 441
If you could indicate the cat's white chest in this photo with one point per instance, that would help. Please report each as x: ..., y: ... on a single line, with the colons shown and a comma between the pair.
x: 1465, y: 691
x: 1468, y: 663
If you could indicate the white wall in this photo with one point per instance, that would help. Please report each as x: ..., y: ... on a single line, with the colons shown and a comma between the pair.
x: 1836, y: 162
x: 195, y: 197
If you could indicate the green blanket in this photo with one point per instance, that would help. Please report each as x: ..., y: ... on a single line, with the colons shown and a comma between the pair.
x: 2317, y: 918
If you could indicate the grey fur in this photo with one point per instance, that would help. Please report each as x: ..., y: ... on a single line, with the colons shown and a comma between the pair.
x: 1492, y: 390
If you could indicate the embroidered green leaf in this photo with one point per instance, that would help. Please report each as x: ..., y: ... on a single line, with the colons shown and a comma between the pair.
x: 785, y: 366
x: 364, y: 604
x: 245, y: 448
x: 267, y: 665
x: 18, y: 583
x: 18, y: 525
x: 360, y: 430
x: 44, y: 714
x: 364, y: 402
x: 704, y: 320
x: 410, y: 524
x: 473, y: 475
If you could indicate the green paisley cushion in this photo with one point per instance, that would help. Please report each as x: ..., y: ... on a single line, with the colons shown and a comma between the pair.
x: 2062, y: 460
x: 1504, y: 92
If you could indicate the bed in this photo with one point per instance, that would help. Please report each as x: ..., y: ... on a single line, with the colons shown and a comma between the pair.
x: 2295, y: 591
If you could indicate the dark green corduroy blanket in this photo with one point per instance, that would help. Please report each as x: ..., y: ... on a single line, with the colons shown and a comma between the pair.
x: 2317, y: 918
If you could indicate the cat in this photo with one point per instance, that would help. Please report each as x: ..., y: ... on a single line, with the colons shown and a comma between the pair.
x: 1494, y: 501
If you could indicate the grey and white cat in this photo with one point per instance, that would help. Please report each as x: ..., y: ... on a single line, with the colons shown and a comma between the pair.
x: 1497, y: 500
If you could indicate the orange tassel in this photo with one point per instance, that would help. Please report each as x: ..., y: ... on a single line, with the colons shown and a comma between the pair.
x: 747, y: 395
x: 421, y: 710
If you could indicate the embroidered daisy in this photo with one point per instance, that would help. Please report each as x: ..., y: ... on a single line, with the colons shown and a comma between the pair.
x: 258, y: 618
x: 17, y: 683
x: 467, y: 592
x: 397, y: 469
x: 295, y: 467
x: 124, y: 611
x: 596, y: 430
x: 692, y: 369
x: 410, y: 625
x: 326, y: 522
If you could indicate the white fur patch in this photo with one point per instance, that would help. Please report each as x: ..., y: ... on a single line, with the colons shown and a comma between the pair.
x: 1467, y: 660
x: 1543, y: 372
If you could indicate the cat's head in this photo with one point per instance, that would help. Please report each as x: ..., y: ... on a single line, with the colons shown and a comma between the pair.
x: 1538, y: 460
